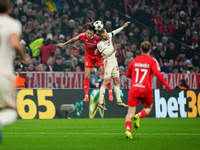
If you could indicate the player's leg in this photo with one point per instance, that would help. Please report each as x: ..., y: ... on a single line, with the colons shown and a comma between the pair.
x: 117, y: 92
x: 144, y: 112
x: 128, y: 123
x: 7, y: 99
x: 102, y: 93
x: 86, y: 84
x: 148, y: 104
x: 109, y: 83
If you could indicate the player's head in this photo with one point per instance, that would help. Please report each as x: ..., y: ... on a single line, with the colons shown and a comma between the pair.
x: 145, y: 47
x: 4, y: 6
x: 90, y: 30
x: 103, y: 34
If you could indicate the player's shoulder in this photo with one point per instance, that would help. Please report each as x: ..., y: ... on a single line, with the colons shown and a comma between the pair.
x: 153, y: 59
x: 101, y: 41
x: 82, y: 34
x: 11, y: 20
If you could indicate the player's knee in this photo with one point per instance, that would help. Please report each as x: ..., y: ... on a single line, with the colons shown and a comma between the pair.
x: 106, y: 81
x: 87, y: 75
x: 116, y: 81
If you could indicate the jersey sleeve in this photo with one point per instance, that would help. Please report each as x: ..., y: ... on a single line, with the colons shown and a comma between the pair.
x: 80, y: 36
x: 117, y: 30
x: 156, y: 70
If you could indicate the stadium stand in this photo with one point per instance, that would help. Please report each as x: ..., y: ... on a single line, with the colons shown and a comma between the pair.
x: 172, y: 27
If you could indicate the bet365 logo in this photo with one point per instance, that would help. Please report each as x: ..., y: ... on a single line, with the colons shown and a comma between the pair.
x: 185, y: 104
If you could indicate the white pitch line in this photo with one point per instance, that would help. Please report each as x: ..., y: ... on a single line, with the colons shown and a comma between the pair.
x: 71, y: 133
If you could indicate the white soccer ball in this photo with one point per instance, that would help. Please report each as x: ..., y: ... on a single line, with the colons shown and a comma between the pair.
x: 98, y: 25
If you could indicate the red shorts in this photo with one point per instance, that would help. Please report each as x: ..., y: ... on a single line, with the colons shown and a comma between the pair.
x: 134, y: 99
x: 91, y: 61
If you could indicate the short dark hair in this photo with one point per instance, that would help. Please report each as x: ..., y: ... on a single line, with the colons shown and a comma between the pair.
x: 90, y: 26
x: 4, y: 5
x: 145, y: 47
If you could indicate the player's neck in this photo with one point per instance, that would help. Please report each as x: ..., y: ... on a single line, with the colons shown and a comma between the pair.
x: 3, y: 14
x: 145, y: 54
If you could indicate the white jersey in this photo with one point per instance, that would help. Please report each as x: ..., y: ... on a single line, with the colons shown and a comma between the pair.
x: 106, y: 48
x: 8, y: 26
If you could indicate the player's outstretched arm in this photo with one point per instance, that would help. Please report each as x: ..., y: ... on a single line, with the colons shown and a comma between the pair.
x: 158, y: 74
x: 121, y: 28
x: 68, y: 42
x: 14, y: 40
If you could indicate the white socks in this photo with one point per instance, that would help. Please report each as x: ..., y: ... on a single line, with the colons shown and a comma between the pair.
x: 7, y: 116
x: 117, y: 93
x: 102, y: 93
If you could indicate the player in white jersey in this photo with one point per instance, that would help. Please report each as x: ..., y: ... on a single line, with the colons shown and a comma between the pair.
x: 106, y: 48
x: 10, y: 31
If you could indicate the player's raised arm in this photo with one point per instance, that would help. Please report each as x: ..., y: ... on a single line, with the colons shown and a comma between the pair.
x: 68, y: 42
x: 121, y: 28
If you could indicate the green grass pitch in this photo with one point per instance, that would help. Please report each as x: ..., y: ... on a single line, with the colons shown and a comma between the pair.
x: 90, y: 134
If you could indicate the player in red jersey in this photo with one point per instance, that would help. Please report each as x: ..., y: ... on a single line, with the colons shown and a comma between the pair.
x: 141, y: 71
x: 90, y: 40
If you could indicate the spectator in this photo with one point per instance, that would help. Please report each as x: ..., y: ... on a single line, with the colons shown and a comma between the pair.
x: 40, y: 68
x: 196, y: 60
x: 47, y: 49
x: 31, y: 68
x: 182, y: 85
x: 58, y: 65
x: 171, y: 52
x: 95, y: 81
x: 165, y: 68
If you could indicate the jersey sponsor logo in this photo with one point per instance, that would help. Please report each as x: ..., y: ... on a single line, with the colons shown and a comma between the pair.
x: 100, y: 48
x: 90, y: 44
x: 138, y: 85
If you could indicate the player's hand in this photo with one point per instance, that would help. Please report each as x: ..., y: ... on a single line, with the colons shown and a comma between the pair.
x: 96, y: 52
x: 115, y: 46
x: 26, y: 60
x: 169, y: 88
x: 60, y: 44
x: 126, y: 24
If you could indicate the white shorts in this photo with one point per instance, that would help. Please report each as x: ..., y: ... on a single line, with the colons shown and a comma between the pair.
x: 7, y: 92
x: 111, y: 68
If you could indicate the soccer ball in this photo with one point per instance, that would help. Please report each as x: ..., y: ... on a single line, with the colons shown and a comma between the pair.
x: 98, y: 25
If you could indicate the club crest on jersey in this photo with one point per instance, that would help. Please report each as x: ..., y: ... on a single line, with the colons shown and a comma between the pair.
x: 86, y: 63
x: 95, y: 41
x: 86, y: 40
x: 106, y: 73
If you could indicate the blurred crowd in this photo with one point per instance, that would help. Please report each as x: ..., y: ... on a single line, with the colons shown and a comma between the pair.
x: 165, y: 24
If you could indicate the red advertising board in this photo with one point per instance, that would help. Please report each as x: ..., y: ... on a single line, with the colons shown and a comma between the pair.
x: 74, y: 80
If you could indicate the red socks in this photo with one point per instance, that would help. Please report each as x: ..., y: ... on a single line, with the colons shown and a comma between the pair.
x: 86, y: 86
x: 142, y: 113
x: 109, y: 86
x: 128, y: 125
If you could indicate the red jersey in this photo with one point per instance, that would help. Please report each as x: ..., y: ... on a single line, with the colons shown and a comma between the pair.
x: 141, y: 71
x: 90, y: 44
